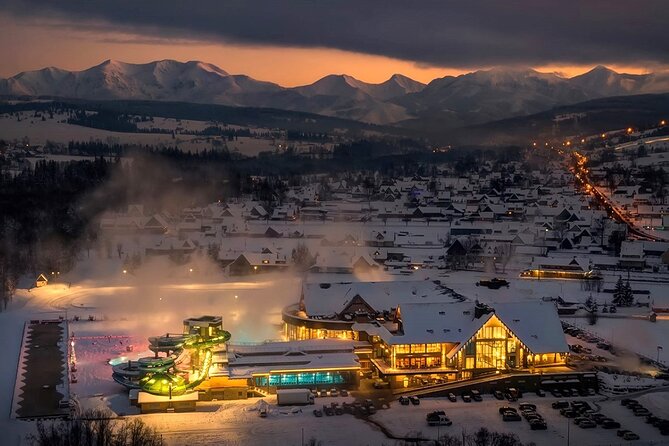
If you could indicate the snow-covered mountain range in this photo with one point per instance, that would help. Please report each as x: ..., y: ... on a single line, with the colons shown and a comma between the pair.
x: 475, y: 97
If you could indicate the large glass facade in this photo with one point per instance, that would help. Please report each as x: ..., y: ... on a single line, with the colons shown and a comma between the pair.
x: 301, y: 333
x: 305, y: 378
x: 490, y: 354
x: 417, y: 356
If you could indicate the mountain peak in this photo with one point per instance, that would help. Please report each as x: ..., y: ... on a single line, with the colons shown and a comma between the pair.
x: 601, y: 69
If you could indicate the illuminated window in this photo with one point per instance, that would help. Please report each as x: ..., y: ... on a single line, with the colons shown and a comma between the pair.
x: 402, y: 348
x: 433, y: 348
x: 417, y: 348
x: 490, y: 354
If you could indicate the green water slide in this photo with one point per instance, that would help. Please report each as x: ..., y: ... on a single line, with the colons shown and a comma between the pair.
x: 159, y: 375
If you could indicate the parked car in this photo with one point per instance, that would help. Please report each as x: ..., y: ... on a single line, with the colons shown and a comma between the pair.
x: 414, y: 400
x: 610, y: 424
x: 438, y: 418
x: 569, y: 413
x: 587, y: 424
x: 560, y: 404
x: 452, y: 398
x: 526, y: 406
x: 334, y: 392
x: 498, y: 394
x: 541, y: 393
x: 510, y: 416
x: 476, y: 395
x: 318, y: 413
x: 404, y: 401
x: 516, y: 393
x: 650, y: 419
x: 507, y: 409
x: 343, y: 392
x: 322, y: 393
x: 622, y: 432
x: 530, y: 415
x: 630, y: 436
x: 538, y: 425
x: 556, y: 393
x: 598, y: 418
x: 466, y: 398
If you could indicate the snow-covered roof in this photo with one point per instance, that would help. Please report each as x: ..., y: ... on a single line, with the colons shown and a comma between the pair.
x: 244, y: 361
x: 326, y: 299
x: 535, y: 324
x: 437, y: 322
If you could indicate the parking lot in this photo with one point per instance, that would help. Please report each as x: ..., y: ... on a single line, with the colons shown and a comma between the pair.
x: 410, y: 420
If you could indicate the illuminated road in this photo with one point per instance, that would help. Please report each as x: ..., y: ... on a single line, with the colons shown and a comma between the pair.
x: 581, y: 175
x: 641, y: 141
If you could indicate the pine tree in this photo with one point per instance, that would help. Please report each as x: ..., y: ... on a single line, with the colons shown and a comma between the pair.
x: 618, y: 292
x: 628, y: 295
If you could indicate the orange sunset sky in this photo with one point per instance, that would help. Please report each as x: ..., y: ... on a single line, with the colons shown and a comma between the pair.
x: 30, y: 46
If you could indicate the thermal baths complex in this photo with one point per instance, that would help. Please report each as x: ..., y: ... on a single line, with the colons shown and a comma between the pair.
x: 405, y: 334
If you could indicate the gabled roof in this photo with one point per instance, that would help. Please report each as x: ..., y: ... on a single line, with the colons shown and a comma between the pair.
x: 535, y: 324
x: 325, y: 299
x: 438, y: 322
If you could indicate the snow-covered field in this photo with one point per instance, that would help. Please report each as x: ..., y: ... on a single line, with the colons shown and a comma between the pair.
x: 39, y: 132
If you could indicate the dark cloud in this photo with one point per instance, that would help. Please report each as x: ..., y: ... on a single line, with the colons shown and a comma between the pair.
x: 447, y: 33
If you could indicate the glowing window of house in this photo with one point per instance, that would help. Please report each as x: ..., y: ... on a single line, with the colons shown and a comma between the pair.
x: 434, y: 348
x: 469, y: 362
x: 402, y: 348
x: 491, y: 332
x: 490, y: 354
x: 417, y: 348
